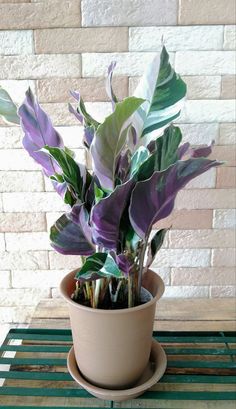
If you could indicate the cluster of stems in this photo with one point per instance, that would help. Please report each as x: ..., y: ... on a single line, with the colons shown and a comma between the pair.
x: 126, y: 290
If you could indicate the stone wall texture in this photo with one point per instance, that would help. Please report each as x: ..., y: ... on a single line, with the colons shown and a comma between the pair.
x: 54, y: 46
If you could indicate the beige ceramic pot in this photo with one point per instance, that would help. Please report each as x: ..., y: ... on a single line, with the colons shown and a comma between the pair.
x: 112, y: 347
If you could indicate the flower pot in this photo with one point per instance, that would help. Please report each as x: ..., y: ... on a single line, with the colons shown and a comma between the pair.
x: 112, y: 347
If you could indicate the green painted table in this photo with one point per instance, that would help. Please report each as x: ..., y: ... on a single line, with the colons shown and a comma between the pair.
x: 201, y: 372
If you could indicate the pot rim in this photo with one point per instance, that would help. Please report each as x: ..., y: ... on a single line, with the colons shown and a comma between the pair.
x: 160, y: 291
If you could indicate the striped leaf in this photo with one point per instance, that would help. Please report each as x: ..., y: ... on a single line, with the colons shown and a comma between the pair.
x: 163, y: 91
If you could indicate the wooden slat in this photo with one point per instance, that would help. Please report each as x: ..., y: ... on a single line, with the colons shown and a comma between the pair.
x: 167, y: 309
x: 171, y: 315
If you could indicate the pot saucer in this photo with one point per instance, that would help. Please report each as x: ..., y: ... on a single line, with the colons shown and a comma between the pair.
x: 152, y: 374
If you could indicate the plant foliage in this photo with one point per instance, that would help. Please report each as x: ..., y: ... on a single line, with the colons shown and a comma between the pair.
x: 139, y: 166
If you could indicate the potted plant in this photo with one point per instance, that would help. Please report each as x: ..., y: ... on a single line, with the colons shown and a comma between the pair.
x: 139, y: 166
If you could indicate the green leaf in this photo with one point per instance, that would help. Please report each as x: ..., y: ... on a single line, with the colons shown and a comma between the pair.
x: 165, y: 154
x: 132, y: 240
x: 8, y: 110
x: 163, y: 91
x: 137, y: 159
x: 71, y: 170
x: 155, y: 246
x: 97, y: 266
x: 98, y: 193
x: 109, y: 140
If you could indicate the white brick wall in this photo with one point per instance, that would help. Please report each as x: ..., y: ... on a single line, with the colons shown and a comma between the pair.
x: 198, y: 258
x: 16, y: 42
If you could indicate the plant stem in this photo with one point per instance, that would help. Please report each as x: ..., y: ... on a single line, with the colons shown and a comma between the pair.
x: 141, y: 261
x: 97, y: 292
x: 130, y: 292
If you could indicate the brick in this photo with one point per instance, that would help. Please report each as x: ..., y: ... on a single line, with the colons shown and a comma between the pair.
x: 197, y: 134
x: 201, y: 238
x: 5, y: 279
x: 21, y: 181
x: 198, y: 86
x: 206, y: 12
x: 182, y: 258
x: 205, y: 62
x: 27, y: 241
x: 229, y: 38
x: 16, y: 42
x: 22, y: 222
x: 176, y: 38
x: 32, y: 260
x: 60, y: 114
x: 16, y: 315
x: 96, y: 64
x: 226, y: 177
x: 99, y: 110
x: 223, y: 291
x: 187, y: 219
x: 16, y: 159
x: 17, y: 90
x: 59, y: 40
x: 128, y: 13
x: 203, y: 87
x: 164, y: 273
x: 186, y: 292
x: 203, y: 276
x: 224, y: 257
x: 37, y: 278
x: 207, y: 180
x: 37, y: 66
x: 16, y: 297
x: 91, y: 89
x: 206, y: 199
x: 207, y: 111
x: 55, y: 293
x: 14, y: 1
x: 40, y: 15
x: 224, y: 219
x: 227, y: 134
x: 228, y: 87
x: 225, y: 153
x: 2, y: 242
x: 10, y: 137
x: 72, y: 136
x: 32, y: 202
x: 59, y: 261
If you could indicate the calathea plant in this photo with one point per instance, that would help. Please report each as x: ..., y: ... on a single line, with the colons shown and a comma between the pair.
x: 139, y: 166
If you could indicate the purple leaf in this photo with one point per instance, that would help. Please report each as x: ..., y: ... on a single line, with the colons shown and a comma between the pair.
x: 183, y: 150
x: 124, y: 263
x: 89, y: 123
x: 107, y: 213
x: 153, y: 199
x: 202, y: 151
x: 39, y: 132
x: 80, y: 216
x: 68, y: 235
x: 61, y: 188
x: 123, y: 163
x: 74, y: 111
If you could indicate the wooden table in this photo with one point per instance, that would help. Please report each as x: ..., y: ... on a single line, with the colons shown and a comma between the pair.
x: 196, y: 334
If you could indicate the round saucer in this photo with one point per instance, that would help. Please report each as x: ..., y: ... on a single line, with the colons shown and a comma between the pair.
x: 152, y: 374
